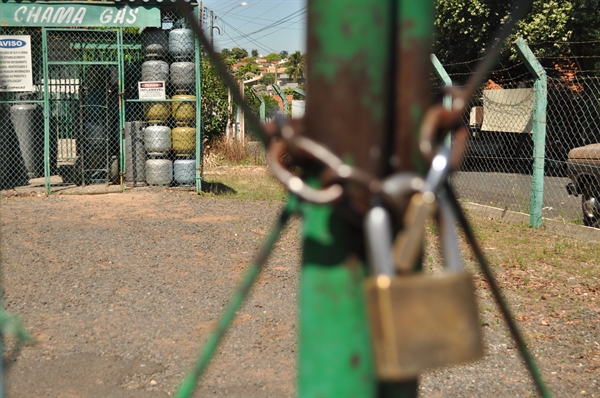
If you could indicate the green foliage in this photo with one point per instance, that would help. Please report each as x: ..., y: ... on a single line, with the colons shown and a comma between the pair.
x: 239, y: 53
x: 284, y: 54
x: 247, y: 68
x: 254, y: 53
x: 291, y: 91
x: 226, y: 53
x: 254, y: 104
x: 273, y: 57
x: 214, y: 102
x: 268, y: 79
x: 271, y: 105
x: 465, y: 27
x: 296, y: 66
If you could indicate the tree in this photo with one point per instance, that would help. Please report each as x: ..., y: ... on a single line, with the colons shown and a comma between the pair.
x: 214, y: 102
x: 248, y: 67
x: 271, y: 105
x: 268, y: 79
x: 226, y: 53
x: 284, y: 54
x: 465, y: 27
x: 254, y: 53
x: 273, y: 57
x: 239, y: 53
x: 295, y: 66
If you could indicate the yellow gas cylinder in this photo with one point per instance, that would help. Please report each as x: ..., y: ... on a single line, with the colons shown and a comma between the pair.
x: 184, y: 140
x: 184, y: 111
x: 156, y: 112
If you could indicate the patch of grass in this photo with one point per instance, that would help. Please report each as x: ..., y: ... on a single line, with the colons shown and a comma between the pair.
x: 242, y: 182
x: 533, y: 265
x: 222, y: 151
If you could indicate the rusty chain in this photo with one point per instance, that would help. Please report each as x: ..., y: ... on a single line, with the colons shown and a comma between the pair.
x: 286, y: 137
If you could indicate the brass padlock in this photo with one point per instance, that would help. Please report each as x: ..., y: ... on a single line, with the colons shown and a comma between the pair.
x: 419, y: 322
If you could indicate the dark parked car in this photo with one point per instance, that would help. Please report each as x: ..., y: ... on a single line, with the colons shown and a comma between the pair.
x: 583, y: 168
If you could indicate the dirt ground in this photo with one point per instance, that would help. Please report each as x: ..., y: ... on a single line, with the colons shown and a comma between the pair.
x: 120, y: 290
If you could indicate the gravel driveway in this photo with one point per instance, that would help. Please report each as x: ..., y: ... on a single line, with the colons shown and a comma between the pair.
x: 121, y: 289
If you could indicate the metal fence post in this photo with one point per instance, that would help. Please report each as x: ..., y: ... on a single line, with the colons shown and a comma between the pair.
x: 540, y: 94
x: 46, y: 111
x: 443, y: 76
x: 262, y: 107
x: 121, y: 72
x: 284, y: 100
x: 349, y: 72
x: 199, y: 144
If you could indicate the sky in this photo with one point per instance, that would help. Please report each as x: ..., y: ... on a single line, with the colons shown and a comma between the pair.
x: 265, y: 25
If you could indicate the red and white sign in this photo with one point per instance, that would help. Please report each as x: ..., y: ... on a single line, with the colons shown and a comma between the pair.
x: 152, y: 90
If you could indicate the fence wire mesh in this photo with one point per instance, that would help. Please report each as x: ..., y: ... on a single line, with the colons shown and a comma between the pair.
x: 22, y: 122
x: 497, y: 170
x: 94, y: 137
x: 161, y: 136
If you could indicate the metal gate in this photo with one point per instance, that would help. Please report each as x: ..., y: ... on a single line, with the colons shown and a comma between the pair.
x: 85, y: 115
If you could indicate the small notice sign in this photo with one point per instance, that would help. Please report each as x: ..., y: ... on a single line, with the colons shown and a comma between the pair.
x: 15, y: 63
x: 151, y: 90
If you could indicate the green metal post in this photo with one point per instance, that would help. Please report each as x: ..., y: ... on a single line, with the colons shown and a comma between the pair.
x: 262, y: 107
x: 540, y: 94
x: 445, y: 78
x: 283, y: 98
x: 121, y: 71
x: 199, y: 143
x: 46, y: 111
x: 349, y: 70
x: 300, y: 91
x: 412, y: 47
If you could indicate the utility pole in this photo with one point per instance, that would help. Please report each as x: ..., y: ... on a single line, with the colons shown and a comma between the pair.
x: 229, y: 115
x: 242, y: 132
x: 212, y: 27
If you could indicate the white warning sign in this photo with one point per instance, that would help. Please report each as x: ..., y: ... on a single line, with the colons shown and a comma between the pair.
x: 15, y: 63
x: 152, y: 90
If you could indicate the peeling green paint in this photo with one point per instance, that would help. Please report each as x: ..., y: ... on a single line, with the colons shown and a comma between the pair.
x: 316, y: 223
x: 353, y: 36
x: 416, y: 18
x: 335, y: 358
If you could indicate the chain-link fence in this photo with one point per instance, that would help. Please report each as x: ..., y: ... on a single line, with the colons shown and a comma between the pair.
x: 498, y: 170
x: 161, y: 136
x: 109, y: 108
x: 21, y: 116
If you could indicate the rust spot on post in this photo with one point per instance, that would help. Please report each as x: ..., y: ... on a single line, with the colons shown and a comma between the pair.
x: 355, y: 360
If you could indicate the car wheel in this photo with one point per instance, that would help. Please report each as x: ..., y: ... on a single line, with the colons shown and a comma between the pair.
x: 590, y: 206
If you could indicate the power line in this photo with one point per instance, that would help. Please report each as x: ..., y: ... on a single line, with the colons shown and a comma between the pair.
x: 284, y: 27
x: 275, y: 6
x: 288, y: 18
x: 224, y: 6
x: 250, y: 19
x: 247, y: 38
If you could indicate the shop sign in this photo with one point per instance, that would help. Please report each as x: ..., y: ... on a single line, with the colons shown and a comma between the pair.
x: 78, y: 15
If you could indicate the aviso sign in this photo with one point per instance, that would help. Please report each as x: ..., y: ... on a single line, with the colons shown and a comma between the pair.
x: 15, y: 63
x: 77, y: 15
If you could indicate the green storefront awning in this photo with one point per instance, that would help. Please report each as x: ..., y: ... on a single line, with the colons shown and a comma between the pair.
x: 48, y: 14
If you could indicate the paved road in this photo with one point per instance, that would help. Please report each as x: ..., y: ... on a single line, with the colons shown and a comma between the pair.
x: 513, y: 191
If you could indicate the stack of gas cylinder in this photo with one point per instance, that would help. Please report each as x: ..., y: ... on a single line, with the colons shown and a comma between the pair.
x: 162, y: 142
